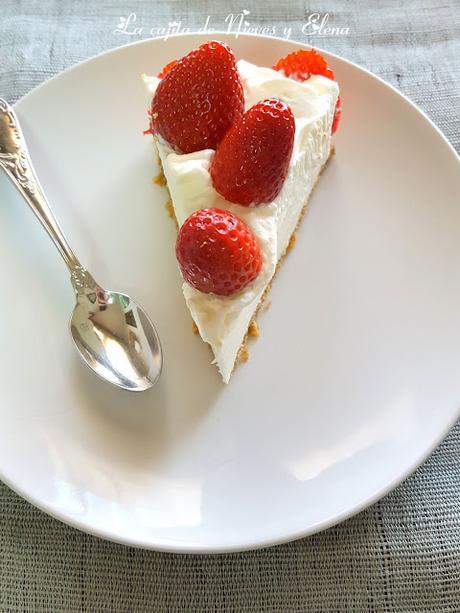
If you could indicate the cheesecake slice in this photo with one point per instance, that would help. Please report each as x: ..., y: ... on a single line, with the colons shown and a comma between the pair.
x: 223, y: 321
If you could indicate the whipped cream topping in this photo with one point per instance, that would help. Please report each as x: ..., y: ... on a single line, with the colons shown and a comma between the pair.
x: 223, y: 320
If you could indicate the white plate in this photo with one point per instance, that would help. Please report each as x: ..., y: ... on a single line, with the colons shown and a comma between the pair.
x: 354, y: 380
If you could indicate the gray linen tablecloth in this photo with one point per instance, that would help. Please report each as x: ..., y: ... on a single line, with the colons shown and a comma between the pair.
x: 403, y: 554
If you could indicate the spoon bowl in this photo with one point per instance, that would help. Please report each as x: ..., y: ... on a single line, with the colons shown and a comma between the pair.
x: 117, y: 340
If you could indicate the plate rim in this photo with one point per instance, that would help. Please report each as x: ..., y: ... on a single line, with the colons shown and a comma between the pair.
x: 174, y: 546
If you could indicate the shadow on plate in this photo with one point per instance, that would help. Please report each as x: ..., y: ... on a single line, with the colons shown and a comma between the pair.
x: 143, y: 429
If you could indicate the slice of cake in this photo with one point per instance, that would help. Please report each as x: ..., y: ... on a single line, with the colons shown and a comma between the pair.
x: 241, y: 147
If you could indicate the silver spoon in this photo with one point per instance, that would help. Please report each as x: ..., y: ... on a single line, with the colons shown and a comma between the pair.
x: 112, y: 333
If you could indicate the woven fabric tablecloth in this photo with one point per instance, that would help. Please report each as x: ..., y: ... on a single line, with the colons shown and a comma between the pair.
x: 403, y: 554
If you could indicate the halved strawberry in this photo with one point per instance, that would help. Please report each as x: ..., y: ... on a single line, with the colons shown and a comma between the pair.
x: 252, y: 161
x: 198, y: 99
x: 300, y: 65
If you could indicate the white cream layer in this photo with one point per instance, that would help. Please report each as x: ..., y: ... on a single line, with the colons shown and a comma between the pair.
x: 223, y: 321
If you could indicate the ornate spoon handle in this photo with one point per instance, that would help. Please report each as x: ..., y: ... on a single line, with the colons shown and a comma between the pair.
x: 15, y: 161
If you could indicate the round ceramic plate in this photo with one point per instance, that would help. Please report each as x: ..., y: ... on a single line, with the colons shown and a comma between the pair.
x: 352, y: 383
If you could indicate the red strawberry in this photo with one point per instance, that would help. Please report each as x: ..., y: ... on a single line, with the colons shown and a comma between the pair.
x: 217, y: 252
x: 337, y: 115
x: 198, y: 99
x: 166, y: 68
x: 300, y: 65
x: 252, y: 161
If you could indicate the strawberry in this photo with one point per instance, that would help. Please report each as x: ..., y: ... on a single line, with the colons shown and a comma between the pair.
x: 337, y: 115
x: 252, y: 161
x: 217, y: 252
x: 300, y: 65
x: 198, y: 99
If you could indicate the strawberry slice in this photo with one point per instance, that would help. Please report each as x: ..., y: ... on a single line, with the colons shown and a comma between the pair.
x: 217, y: 252
x: 198, y: 99
x: 301, y: 65
x: 252, y: 161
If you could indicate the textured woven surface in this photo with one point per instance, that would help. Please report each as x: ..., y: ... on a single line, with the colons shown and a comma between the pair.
x: 403, y: 554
